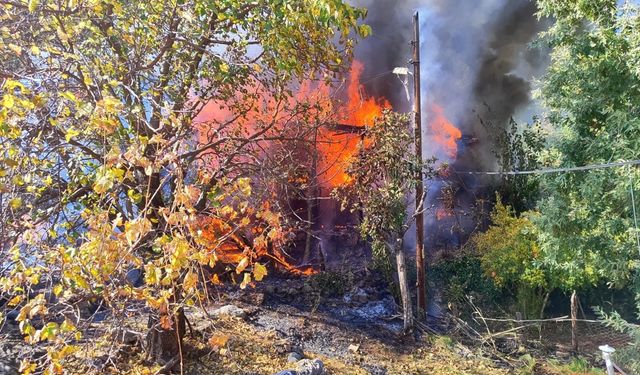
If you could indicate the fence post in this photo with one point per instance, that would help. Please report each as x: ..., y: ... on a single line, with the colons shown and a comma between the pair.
x: 574, y: 322
x: 606, y: 354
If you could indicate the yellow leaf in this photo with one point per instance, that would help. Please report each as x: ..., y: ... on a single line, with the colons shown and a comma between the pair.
x: 259, y: 271
x: 71, y: 132
x: 27, y: 368
x: 15, y: 203
x: 68, y: 95
x: 218, y: 341
x: 15, y: 300
x: 246, y: 280
x: 215, y: 280
x: 35, y: 50
x: 7, y: 101
x: 16, y: 49
x: 242, y: 265
x: 33, y: 5
x: 190, y: 280
x: 57, y: 290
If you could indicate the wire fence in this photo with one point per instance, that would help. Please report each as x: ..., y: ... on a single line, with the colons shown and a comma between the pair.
x: 559, y: 337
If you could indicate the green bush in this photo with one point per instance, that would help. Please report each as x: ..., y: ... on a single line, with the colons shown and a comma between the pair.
x: 462, y: 276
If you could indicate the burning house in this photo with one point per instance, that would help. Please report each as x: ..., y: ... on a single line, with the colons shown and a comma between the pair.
x: 477, y: 65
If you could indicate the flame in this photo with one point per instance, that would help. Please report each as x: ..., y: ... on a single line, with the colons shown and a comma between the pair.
x: 443, y: 213
x: 445, y: 134
x: 230, y: 247
x: 337, y: 148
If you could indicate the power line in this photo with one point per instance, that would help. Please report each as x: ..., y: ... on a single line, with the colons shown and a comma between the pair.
x: 554, y: 170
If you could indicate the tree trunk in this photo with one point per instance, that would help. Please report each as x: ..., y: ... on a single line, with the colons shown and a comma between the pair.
x: 312, y: 194
x: 407, y: 310
x: 164, y: 339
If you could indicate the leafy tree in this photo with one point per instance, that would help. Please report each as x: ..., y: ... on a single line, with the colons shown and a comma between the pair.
x: 128, y: 131
x: 587, y: 229
x: 380, y: 175
x: 516, y: 148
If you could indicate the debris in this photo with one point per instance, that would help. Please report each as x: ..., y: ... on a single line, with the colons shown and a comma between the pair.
x: 311, y: 367
x: 294, y: 357
x: 229, y: 310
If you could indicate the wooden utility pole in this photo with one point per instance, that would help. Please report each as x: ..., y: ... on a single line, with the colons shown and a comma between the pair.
x: 420, y: 287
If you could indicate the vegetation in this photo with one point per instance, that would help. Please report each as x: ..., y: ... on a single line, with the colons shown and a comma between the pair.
x: 112, y: 160
x: 149, y: 151
x: 385, y: 165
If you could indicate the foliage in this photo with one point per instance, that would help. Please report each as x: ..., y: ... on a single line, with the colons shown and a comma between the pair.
x: 509, y: 254
x: 626, y: 357
x: 463, y: 276
x: 516, y: 148
x: 587, y: 231
x: 112, y: 161
x: 509, y: 249
x: 380, y: 176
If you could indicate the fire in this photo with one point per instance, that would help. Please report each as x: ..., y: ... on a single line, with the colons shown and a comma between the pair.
x: 359, y: 110
x: 443, y: 213
x: 230, y: 247
x: 336, y: 145
x: 445, y: 134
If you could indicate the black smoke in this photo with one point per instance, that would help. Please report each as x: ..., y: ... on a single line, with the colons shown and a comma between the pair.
x: 477, y: 63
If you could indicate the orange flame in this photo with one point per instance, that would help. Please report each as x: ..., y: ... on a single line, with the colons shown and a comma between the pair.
x: 445, y: 134
x: 337, y: 148
x: 443, y: 213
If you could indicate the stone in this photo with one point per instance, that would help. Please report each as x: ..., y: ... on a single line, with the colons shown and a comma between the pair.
x: 288, y: 372
x: 229, y: 310
x: 311, y: 367
x: 135, y: 277
x: 360, y: 296
x: 307, y: 289
x: 294, y: 357
x: 270, y: 289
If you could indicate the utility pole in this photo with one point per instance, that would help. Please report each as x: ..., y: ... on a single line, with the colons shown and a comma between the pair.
x: 420, y: 263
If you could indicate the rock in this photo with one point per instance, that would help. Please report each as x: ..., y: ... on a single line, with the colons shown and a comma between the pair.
x: 294, y: 357
x: 270, y: 289
x: 360, y: 296
x: 229, y: 310
x: 285, y: 346
x: 12, y: 315
x: 311, y: 367
x: 135, y: 277
x: 307, y: 289
x: 353, y: 348
x: 288, y: 372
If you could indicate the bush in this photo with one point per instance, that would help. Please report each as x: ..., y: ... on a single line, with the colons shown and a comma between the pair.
x: 462, y: 276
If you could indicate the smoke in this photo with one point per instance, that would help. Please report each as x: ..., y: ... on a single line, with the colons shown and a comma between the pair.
x: 476, y: 58
x: 476, y: 63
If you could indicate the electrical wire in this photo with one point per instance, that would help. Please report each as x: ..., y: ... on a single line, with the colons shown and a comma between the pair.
x: 554, y: 170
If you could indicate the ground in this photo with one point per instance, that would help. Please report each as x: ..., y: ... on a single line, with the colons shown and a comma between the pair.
x: 352, y: 329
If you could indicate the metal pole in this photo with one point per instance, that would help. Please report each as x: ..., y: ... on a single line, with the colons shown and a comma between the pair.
x: 420, y: 283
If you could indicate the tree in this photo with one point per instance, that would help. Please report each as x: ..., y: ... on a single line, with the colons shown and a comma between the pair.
x: 128, y: 133
x: 587, y: 227
x: 380, y: 175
